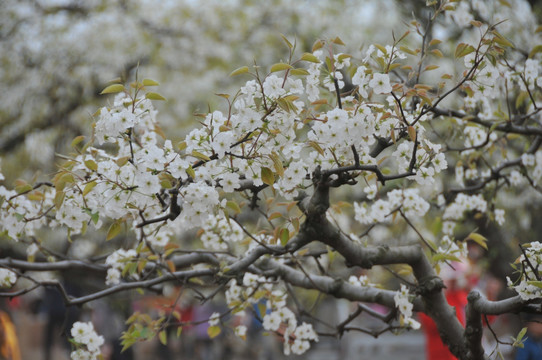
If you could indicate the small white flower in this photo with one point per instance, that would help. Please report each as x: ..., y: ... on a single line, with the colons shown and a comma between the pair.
x: 371, y: 191
x: 516, y: 178
x: 230, y: 182
x: 300, y: 346
x: 271, y: 322
x: 241, y: 331
x: 380, y: 83
x: 113, y: 277
x: 214, y: 319
x: 499, y: 216
x: 7, y: 278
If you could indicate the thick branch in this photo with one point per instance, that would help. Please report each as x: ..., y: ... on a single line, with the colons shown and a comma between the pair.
x: 335, y: 287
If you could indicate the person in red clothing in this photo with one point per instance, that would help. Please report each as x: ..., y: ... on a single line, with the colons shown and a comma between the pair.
x: 456, y: 294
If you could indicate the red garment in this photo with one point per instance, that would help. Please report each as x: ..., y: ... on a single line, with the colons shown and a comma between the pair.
x: 435, y: 348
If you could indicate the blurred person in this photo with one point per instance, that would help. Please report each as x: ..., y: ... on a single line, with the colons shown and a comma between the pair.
x: 457, y: 288
x: 9, y: 344
x: 532, y: 346
x: 59, y: 318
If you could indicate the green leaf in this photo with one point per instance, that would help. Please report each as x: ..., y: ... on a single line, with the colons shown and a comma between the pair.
x: 150, y: 82
x: 112, y: 89
x: 463, y: 49
x: 477, y: 238
x: 316, y: 146
x: 431, y: 67
x: 318, y: 44
x: 95, y: 217
x: 449, y: 257
x: 213, y: 331
x: 501, y: 40
x: 310, y: 57
x: 287, y: 42
x: 200, y: 156
x: 182, y: 145
x: 521, y: 334
x: 408, y: 50
x: 518, y: 341
x: 274, y: 215
x: 279, y: 169
x: 77, y: 141
x: 154, y: 96
x: 233, y: 205
x: 262, y: 309
x: 23, y: 187
x: 114, y: 230
x: 59, y: 199
x: 190, y: 171
x: 91, y: 164
x: 241, y: 70
x: 522, y: 97
x: 162, y: 335
x: 267, y: 176
x: 535, y: 50
x: 89, y: 187
x: 284, y: 236
x: 280, y: 66
x: 536, y: 283
x: 338, y: 41
x: 299, y: 72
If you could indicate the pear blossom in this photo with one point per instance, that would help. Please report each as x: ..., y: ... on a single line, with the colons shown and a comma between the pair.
x: 380, y: 83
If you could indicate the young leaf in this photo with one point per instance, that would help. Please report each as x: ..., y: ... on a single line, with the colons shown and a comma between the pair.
x: 284, y: 236
x: 463, y: 49
x: 77, y: 141
x: 154, y: 96
x: 280, y: 66
x: 162, y: 335
x: 234, y: 206
x: 299, y: 72
x: 241, y: 70
x: 114, y: 230
x: 91, y: 164
x: 89, y: 187
x: 150, y: 82
x: 288, y: 43
x: 477, y: 238
x: 213, y: 331
x: 112, y: 89
x: 277, y: 163
x: 267, y: 176
x: 310, y: 57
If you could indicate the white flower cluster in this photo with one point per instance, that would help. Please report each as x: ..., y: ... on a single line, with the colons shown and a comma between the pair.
x: 238, y: 294
x: 114, y: 122
x: 7, y: 278
x: 455, y: 210
x: 404, y: 306
x: 218, y: 232
x: 412, y: 205
x: 296, y: 337
x: 362, y: 280
x: 198, y: 202
x: 529, y: 286
x: 533, y: 164
x: 88, y: 341
x: 117, y: 261
x: 280, y: 318
x: 14, y: 211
